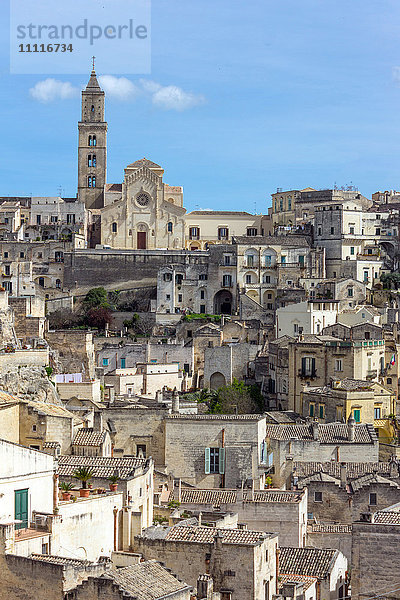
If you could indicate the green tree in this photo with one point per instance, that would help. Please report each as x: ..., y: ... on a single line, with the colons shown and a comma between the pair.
x: 96, y: 298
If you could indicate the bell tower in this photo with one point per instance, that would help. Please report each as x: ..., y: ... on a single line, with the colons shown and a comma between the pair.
x: 92, y: 145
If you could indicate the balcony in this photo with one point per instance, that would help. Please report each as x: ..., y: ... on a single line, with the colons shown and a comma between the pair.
x: 372, y: 373
x: 307, y: 374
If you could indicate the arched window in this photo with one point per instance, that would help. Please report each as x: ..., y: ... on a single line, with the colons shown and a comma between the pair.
x: 90, y: 141
x: 41, y: 282
x: 169, y: 227
x: 92, y: 109
x: 93, y: 181
x: 89, y: 181
x: 114, y: 228
x: 94, y: 141
x: 93, y: 160
x: 89, y: 160
x: 58, y: 283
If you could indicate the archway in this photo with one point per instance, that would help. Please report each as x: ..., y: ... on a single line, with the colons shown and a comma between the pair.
x: 217, y: 380
x: 223, y: 302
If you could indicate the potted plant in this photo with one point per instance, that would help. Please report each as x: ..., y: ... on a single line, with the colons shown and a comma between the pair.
x: 113, y: 482
x: 66, y: 488
x: 84, y: 475
x: 268, y: 482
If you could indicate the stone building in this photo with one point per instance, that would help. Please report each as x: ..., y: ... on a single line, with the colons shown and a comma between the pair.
x: 280, y: 511
x: 204, y: 450
x: 342, y: 500
x: 327, y: 565
x: 375, y: 554
x: 91, y: 442
x: 366, y: 401
x: 323, y: 442
x: 225, y: 363
x: 75, y: 351
x: 242, y: 563
x: 140, y: 581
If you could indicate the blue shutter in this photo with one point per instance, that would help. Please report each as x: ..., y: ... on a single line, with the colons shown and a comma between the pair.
x: 207, y: 461
x: 222, y: 461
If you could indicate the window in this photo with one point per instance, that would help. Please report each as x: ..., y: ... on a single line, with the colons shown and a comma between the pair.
x: 338, y: 364
x: 178, y: 278
x: 141, y: 450
x: 94, y: 140
x: 251, y: 231
x: 180, y: 297
x: 45, y: 548
x: 270, y: 306
x: 169, y: 227
x: 301, y: 260
x: 352, y: 250
x: 267, y: 260
x: 367, y: 335
x: 250, y: 260
x: 322, y: 411
x: 34, y: 427
x: 372, y: 499
x: 227, y: 259
x: 92, y: 109
x: 308, y: 366
x: 268, y: 279
x: 351, y: 230
x: 289, y: 203
x: 312, y: 409
x: 202, y: 309
x: 41, y: 282
x: 194, y: 233
x: 53, y: 219
x: 227, y: 280
x: 377, y: 412
x: 105, y: 362
x: 283, y: 260
x: 223, y: 233
x: 248, y: 278
x: 319, y: 230
x: 21, y: 255
x: 365, y: 275
x: 389, y: 380
x: 58, y: 283
x: 357, y: 415
x: 114, y: 228
x: 58, y: 256
x: 202, y: 295
x: 332, y: 230
x: 203, y: 277
x: 378, y: 231
x: 167, y: 276
x: 350, y: 292
x: 317, y: 496
x: 89, y: 160
x: 5, y: 254
x: 214, y: 459
x: 269, y: 296
x: 123, y: 362
x: 38, y: 219
x: 7, y: 270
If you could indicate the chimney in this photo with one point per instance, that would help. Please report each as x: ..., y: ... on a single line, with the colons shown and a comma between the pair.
x: 98, y: 420
x: 351, y: 426
x: 204, y: 587
x: 199, y: 518
x: 315, y: 430
x: 175, y: 402
x: 393, y: 467
x: 343, y: 474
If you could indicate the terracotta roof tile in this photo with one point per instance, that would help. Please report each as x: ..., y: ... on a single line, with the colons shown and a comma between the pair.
x: 307, y: 581
x: 223, y: 496
x: 313, y: 562
x: 101, y: 466
x: 146, y: 581
x: 329, y: 433
x: 88, y: 437
x: 206, y: 535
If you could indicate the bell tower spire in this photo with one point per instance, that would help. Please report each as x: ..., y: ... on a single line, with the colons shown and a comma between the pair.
x: 92, y: 145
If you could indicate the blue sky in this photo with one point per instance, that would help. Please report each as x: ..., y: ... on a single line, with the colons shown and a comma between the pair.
x: 243, y: 97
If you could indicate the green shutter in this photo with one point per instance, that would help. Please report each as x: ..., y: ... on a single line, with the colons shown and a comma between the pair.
x: 21, y: 508
x: 222, y: 461
x: 207, y: 461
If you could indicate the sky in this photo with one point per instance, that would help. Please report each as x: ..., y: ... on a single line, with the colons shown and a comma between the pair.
x: 243, y: 98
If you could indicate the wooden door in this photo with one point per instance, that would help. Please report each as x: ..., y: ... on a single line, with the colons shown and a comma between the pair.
x: 141, y: 240
x: 21, y: 508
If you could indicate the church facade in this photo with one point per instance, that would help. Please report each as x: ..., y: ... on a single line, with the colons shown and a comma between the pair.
x: 143, y: 212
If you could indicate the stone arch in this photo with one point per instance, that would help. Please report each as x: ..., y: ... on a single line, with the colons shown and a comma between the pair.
x: 266, y: 300
x: 253, y: 294
x: 253, y: 277
x: 223, y: 302
x: 217, y: 380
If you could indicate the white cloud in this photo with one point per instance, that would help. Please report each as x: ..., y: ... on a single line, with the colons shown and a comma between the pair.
x: 172, y: 97
x: 118, y: 87
x: 50, y: 89
x: 149, y: 86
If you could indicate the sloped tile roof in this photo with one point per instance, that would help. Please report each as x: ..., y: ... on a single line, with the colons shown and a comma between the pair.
x: 306, y: 581
x: 87, y: 436
x: 52, y: 410
x: 146, y: 581
x: 61, y: 560
x: 312, y: 562
x: 113, y: 187
x: 371, y: 478
x: 51, y: 445
x: 223, y: 496
x: 6, y: 398
x: 328, y: 433
x: 144, y: 162
x: 354, y: 470
x: 387, y: 517
x: 101, y: 466
x: 206, y: 535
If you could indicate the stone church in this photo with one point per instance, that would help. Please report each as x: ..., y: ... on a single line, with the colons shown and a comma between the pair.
x: 143, y: 212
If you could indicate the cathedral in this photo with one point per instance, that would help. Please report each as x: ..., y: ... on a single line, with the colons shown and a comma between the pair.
x: 143, y: 212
